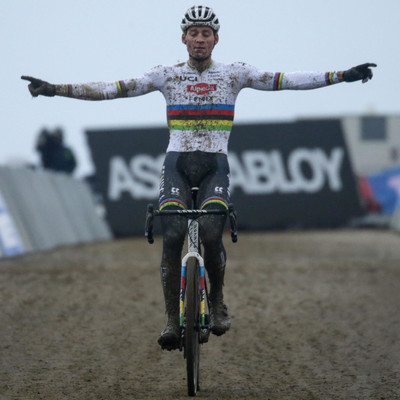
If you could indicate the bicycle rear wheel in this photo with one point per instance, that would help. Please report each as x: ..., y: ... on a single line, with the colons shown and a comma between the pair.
x: 192, y: 330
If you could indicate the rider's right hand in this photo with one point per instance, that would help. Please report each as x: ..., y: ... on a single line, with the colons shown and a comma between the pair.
x: 38, y: 87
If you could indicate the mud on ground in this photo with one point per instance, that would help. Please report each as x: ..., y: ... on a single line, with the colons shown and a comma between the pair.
x: 315, y: 316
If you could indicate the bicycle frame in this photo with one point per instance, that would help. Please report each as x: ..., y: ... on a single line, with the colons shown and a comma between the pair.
x: 193, y: 246
x: 193, y: 321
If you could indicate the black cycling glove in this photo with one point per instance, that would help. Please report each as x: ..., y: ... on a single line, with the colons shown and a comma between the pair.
x: 38, y: 87
x: 361, y: 72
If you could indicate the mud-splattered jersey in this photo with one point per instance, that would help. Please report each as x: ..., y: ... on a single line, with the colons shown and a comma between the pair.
x: 200, y: 106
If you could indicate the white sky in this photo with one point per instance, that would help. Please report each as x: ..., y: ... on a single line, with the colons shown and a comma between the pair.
x: 101, y: 40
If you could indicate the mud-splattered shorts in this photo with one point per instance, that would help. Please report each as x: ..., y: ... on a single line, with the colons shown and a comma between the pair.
x: 184, y: 170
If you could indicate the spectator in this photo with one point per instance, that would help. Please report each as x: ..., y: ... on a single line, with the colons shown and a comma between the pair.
x: 53, y: 153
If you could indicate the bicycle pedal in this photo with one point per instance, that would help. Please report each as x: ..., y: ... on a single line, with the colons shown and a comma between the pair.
x: 204, y: 335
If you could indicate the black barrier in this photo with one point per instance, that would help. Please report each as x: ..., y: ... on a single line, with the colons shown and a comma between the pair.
x: 128, y: 164
x: 295, y: 175
x: 283, y: 175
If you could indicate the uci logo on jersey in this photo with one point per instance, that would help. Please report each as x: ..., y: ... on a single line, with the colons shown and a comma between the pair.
x: 186, y: 78
x: 202, y: 88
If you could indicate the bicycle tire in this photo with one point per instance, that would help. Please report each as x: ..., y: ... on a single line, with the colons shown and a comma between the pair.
x: 192, y: 330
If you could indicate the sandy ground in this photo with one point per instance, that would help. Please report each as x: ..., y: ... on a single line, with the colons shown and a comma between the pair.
x: 315, y: 316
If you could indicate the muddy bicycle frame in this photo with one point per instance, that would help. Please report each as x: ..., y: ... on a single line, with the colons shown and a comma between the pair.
x: 193, y: 320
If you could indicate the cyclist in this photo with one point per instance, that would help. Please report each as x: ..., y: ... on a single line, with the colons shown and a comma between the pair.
x: 200, y: 96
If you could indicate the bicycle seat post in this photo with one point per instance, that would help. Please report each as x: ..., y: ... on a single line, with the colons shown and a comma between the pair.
x: 194, y: 197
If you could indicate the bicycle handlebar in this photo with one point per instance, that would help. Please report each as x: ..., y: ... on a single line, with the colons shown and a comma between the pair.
x: 151, y: 213
x: 188, y: 213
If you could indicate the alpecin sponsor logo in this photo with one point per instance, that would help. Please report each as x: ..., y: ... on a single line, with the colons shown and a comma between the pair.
x: 202, y: 88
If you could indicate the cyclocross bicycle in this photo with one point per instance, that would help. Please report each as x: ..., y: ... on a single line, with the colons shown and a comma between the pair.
x: 193, y: 298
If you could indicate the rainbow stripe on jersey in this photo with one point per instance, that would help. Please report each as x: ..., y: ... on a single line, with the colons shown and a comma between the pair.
x: 214, y: 117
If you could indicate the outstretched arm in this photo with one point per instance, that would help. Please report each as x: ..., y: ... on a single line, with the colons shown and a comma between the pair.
x: 304, y: 80
x: 84, y: 91
x: 96, y: 90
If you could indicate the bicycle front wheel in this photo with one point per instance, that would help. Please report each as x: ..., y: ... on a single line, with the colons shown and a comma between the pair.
x: 192, y: 330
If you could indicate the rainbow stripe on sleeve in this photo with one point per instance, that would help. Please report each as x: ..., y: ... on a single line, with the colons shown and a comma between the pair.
x: 68, y: 90
x: 121, y: 87
x: 278, y: 78
x: 214, y: 117
x: 329, y: 78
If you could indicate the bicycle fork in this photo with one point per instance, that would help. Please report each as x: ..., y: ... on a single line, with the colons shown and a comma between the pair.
x: 202, y: 288
x: 193, y: 251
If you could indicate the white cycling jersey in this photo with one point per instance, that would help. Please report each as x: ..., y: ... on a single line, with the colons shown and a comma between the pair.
x: 200, y: 106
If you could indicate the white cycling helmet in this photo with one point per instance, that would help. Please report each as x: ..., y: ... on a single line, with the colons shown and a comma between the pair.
x: 200, y: 16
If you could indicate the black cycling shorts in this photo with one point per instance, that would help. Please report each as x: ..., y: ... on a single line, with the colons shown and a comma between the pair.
x: 184, y: 170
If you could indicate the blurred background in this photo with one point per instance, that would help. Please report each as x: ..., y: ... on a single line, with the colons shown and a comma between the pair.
x: 73, y: 42
x: 98, y: 40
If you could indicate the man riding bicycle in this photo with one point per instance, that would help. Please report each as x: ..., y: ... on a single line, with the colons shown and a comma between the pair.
x: 200, y: 96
